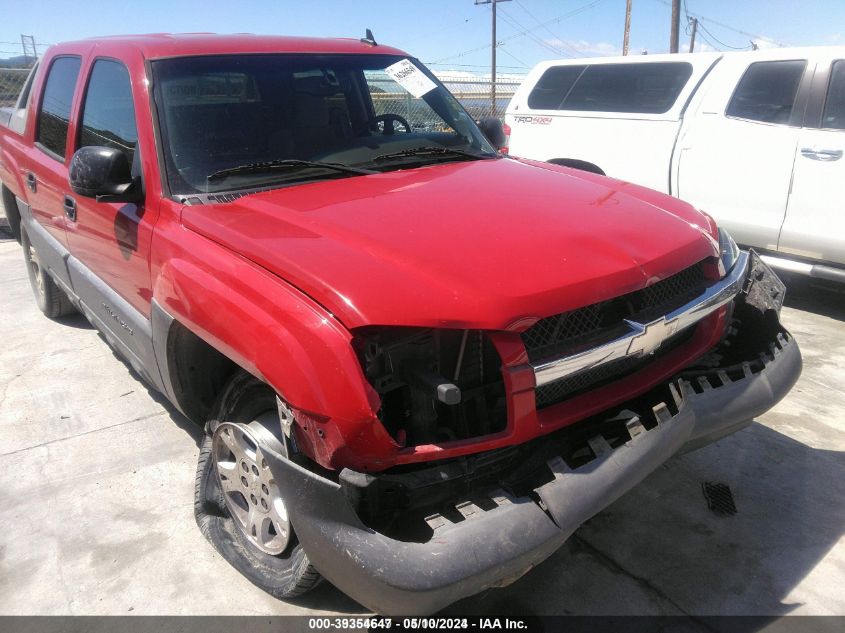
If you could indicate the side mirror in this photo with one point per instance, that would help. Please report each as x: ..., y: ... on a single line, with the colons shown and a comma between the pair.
x: 494, y: 131
x: 103, y: 173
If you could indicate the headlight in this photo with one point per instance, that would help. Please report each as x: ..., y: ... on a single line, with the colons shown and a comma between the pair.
x: 728, y: 252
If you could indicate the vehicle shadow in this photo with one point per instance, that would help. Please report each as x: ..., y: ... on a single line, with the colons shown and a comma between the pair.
x: 75, y: 320
x: 192, y: 429
x: 327, y: 597
x: 659, y: 550
x: 5, y: 231
x: 819, y: 296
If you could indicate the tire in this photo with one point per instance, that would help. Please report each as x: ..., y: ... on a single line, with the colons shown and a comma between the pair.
x: 284, y: 575
x: 51, y: 299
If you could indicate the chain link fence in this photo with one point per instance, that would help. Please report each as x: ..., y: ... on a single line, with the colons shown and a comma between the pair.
x: 11, y: 83
x: 472, y: 92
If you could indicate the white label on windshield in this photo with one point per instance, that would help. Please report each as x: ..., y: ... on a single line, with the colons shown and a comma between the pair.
x: 411, y: 78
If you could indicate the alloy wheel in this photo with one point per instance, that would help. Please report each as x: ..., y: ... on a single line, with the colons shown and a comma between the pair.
x: 249, y: 489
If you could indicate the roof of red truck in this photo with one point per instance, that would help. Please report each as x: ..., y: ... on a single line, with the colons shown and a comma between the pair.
x: 155, y: 45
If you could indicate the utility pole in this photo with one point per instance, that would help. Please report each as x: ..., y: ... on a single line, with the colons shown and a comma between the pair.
x: 676, y: 26
x: 627, y: 36
x: 493, y: 4
x: 692, y: 36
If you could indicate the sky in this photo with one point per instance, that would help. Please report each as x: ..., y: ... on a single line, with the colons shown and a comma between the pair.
x: 445, y: 34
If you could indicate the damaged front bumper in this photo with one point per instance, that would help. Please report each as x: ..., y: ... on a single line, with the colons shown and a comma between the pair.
x: 491, y: 544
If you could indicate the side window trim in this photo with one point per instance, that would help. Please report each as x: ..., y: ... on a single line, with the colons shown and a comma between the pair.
x: 803, y: 96
x: 49, y: 152
x: 26, y: 93
x: 634, y: 101
x: 826, y: 94
x: 800, y: 90
x: 77, y: 141
x: 39, y: 112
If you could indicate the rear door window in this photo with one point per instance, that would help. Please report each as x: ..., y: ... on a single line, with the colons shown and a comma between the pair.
x: 641, y: 88
x: 108, y: 116
x: 54, y: 116
x: 767, y: 91
x: 834, y: 106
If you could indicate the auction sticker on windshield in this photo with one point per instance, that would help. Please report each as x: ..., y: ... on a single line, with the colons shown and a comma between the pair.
x: 411, y: 78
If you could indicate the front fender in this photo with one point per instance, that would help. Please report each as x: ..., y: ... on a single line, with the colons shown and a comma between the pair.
x: 279, y: 335
x: 12, y: 188
x: 11, y: 172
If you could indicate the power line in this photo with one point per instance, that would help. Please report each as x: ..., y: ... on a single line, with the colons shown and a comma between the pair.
x: 537, y: 40
x: 462, y: 54
x: 576, y: 52
x: 697, y: 25
x: 450, y: 64
x: 555, y: 48
x: 514, y: 57
x: 735, y: 48
x: 560, y: 18
x: 725, y: 26
x: 705, y: 38
x: 39, y: 44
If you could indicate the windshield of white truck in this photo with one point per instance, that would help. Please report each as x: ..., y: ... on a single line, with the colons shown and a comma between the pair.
x: 237, y: 122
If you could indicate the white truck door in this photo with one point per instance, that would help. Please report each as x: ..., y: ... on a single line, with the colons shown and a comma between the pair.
x: 815, y: 218
x: 737, y: 151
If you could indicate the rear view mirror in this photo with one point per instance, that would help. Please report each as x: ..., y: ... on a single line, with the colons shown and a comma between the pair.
x: 103, y: 173
x: 494, y: 131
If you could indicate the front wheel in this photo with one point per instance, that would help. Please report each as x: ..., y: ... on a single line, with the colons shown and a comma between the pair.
x: 238, y: 506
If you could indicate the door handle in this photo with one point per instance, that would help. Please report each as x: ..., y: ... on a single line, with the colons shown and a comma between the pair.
x: 31, y: 182
x: 821, y: 154
x: 70, y: 208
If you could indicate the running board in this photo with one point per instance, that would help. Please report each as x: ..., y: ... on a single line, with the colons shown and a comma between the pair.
x: 819, y: 271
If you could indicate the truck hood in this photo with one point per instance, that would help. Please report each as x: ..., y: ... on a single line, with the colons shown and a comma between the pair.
x: 489, y: 244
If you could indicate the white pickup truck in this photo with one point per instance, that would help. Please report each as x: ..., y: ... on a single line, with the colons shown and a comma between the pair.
x: 755, y: 139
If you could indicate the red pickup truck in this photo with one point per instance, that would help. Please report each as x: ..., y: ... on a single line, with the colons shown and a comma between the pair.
x: 421, y: 364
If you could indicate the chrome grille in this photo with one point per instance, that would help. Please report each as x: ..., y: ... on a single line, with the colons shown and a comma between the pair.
x: 571, y: 386
x: 672, y: 292
x: 562, y: 327
x: 600, y: 322
x: 594, y: 325
x: 576, y: 384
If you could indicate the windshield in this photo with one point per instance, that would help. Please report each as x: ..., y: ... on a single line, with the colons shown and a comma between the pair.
x: 250, y: 121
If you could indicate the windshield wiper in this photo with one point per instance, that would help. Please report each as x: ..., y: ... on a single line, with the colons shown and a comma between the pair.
x: 431, y: 151
x: 287, y: 164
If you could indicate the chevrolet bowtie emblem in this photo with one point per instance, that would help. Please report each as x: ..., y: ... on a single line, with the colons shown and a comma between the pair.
x: 651, y: 335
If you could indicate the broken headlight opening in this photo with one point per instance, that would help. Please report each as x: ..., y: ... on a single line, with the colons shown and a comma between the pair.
x: 728, y: 252
x: 435, y: 385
